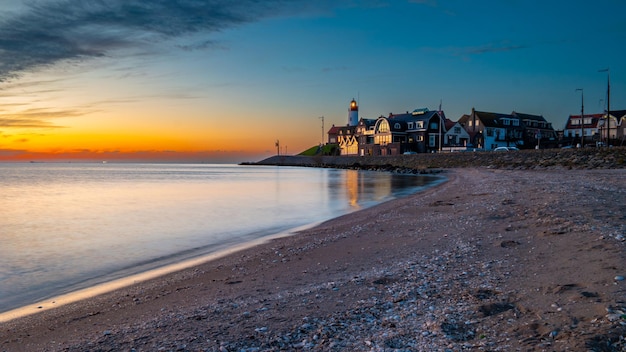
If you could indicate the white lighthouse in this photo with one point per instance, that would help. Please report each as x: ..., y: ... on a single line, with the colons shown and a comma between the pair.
x: 353, y: 114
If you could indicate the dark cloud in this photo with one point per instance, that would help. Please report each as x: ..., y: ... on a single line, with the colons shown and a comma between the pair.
x: 44, y: 33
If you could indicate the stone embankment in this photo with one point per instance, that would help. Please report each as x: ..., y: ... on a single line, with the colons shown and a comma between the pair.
x: 587, y: 158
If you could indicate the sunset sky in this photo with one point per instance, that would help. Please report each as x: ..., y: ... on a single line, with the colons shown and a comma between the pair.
x: 222, y: 80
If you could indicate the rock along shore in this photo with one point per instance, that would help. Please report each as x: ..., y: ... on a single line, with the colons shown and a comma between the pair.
x: 587, y: 158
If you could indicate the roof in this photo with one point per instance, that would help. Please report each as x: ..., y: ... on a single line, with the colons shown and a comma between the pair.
x: 368, y: 122
x: 333, y: 130
x: 594, y: 121
x: 448, y: 124
x: 523, y: 116
x: 491, y: 119
x: 411, y: 116
x: 618, y: 113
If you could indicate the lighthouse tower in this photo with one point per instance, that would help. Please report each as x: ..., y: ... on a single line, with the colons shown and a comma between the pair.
x: 353, y: 114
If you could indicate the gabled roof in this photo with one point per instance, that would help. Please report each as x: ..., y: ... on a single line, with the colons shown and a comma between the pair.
x: 412, y: 116
x: 368, y: 122
x: 448, y: 124
x: 491, y: 119
x: 595, y: 118
x: 618, y: 114
x: 523, y: 116
x: 333, y: 130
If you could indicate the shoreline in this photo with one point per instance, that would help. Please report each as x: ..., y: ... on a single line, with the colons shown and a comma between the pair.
x: 106, y: 287
x: 198, y: 232
x: 167, y: 267
x: 491, y: 259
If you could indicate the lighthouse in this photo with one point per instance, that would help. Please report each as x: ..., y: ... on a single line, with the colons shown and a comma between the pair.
x: 353, y: 114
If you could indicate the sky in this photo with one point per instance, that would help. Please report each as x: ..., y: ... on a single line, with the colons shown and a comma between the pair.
x: 220, y: 81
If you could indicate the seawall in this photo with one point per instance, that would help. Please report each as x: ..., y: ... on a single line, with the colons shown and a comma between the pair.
x: 586, y: 158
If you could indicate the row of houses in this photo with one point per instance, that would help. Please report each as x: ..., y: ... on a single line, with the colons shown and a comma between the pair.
x: 592, y: 129
x: 425, y: 131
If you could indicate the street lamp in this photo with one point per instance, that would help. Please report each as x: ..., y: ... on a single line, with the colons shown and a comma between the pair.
x: 582, y: 116
x: 322, y: 118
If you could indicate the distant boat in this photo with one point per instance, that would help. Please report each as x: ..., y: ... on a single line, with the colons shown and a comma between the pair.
x: 104, y: 161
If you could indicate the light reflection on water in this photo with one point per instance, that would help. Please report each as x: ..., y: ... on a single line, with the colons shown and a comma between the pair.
x: 66, y: 226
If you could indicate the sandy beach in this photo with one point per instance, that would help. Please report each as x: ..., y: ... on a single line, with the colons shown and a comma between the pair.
x: 491, y: 260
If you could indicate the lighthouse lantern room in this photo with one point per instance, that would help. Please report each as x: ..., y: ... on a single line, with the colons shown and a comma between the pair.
x: 353, y: 113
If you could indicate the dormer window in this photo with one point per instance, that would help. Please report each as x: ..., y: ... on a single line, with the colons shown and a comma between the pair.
x: 397, y: 126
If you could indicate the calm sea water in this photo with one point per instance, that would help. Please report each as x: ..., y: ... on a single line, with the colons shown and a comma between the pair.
x: 68, y: 226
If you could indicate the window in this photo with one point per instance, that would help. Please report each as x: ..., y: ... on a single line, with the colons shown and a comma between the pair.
x: 434, y: 125
x: 420, y: 124
x: 506, y: 122
x: 432, y: 140
x: 515, y: 122
x: 397, y: 126
x: 410, y: 125
x: 457, y: 130
x: 382, y: 126
x: 489, y: 132
x: 382, y: 139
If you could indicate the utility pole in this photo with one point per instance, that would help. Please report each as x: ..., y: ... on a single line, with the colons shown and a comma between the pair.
x: 608, y: 106
x: 582, y: 117
x: 277, y: 147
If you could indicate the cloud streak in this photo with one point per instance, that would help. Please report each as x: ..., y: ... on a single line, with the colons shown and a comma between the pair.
x: 50, y: 32
x: 37, y: 118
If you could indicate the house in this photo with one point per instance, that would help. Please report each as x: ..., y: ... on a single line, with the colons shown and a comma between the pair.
x: 347, y: 140
x: 456, y: 135
x: 589, y: 127
x: 618, y: 127
x: 489, y: 130
x: 418, y: 131
x: 537, y: 131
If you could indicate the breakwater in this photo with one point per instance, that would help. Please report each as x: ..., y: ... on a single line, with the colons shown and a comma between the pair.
x: 586, y: 158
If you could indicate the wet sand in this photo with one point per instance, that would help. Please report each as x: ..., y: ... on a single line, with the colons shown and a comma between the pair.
x: 491, y: 260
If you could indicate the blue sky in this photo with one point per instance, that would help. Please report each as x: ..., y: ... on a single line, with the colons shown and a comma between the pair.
x: 223, y: 80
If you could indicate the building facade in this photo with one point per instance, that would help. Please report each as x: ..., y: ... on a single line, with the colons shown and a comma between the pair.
x: 489, y: 130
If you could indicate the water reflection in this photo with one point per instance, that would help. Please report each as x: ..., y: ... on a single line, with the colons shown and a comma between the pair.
x: 366, y: 187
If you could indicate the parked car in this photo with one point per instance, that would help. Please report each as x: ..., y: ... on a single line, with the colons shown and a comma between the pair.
x: 505, y: 149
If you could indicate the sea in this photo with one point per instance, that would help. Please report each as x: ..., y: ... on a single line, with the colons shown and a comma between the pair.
x: 68, y: 226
